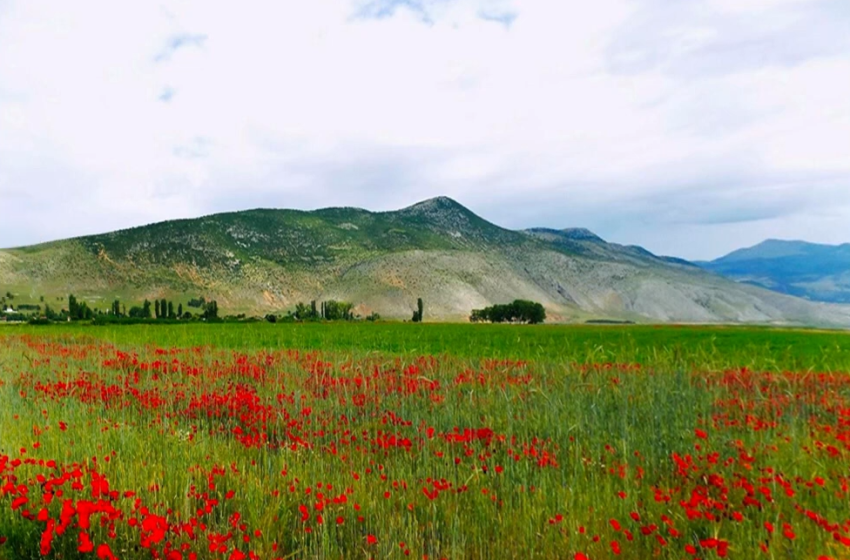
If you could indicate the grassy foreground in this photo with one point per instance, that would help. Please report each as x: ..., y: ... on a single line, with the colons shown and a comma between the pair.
x: 438, y: 441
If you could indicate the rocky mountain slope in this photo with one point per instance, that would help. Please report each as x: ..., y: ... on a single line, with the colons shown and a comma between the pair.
x: 809, y: 270
x: 262, y: 261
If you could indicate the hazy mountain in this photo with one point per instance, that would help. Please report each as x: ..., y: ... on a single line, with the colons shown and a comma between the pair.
x: 809, y: 270
x: 261, y: 261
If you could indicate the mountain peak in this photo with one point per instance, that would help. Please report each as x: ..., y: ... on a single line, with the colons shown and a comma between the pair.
x: 444, y: 215
x: 580, y: 233
x: 768, y: 249
x: 434, y: 205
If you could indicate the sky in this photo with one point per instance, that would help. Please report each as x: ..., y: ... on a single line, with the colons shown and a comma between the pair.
x: 692, y: 127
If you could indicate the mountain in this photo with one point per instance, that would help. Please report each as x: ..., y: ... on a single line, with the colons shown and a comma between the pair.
x: 261, y: 261
x: 809, y: 270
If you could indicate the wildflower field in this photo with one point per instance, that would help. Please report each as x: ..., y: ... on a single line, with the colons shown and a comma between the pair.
x: 423, y: 441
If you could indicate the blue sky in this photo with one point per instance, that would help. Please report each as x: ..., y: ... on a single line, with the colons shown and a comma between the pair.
x: 691, y: 127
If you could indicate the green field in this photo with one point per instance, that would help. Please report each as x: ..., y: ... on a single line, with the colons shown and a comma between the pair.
x: 714, y: 346
x: 390, y: 440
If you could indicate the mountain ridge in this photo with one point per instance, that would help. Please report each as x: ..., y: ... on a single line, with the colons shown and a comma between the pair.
x: 265, y: 260
x: 814, y: 271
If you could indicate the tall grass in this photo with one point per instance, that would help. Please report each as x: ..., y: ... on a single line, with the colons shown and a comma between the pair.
x: 659, y: 432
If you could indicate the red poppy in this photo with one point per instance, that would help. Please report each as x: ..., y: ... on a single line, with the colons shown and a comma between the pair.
x: 105, y: 553
x: 85, y: 543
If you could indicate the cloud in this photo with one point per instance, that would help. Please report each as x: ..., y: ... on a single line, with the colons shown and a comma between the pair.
x: 504, y: 18
x: 649, y: 122
x: 194, y: 149
x: 177, y: 42
x: 431, y: 11
x: 692, y: 40
x: 167, y: 94
x: 380, y: 9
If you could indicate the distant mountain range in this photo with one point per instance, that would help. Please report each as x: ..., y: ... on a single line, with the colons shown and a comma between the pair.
x: 262, y: 261
x: 808, y: 270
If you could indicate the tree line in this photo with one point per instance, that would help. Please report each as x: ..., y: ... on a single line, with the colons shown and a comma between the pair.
x: 158, y: 310
x: 518, y: 311
x: 163, y: 309
x: 330, y: 310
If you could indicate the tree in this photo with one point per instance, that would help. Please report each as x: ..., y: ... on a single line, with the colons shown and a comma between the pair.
x: 78, y: 311
x: 211, y: 310
x: 156, y: 308
x: 163, y: 308
x: 518, y: 311
x: 171, y: 310
x: 417, y: 315
x: 529, y: 311
x: 179, y: 310
x: 302, y: 312
x: 146, y: 309
x: 337, y: 310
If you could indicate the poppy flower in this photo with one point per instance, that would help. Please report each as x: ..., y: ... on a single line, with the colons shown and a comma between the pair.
x: 105, y: 553
x: 85, y: 543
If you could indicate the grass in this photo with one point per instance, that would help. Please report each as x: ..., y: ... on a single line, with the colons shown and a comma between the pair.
x: 445, y: 441
x: 715, y: 346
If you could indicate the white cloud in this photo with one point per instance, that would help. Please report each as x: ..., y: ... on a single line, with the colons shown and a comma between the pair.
x: 543, y: 110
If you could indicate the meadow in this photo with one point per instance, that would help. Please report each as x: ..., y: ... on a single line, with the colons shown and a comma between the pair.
x: 423, y: 441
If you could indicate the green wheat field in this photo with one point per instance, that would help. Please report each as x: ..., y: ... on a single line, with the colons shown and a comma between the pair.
x: 423, y: 441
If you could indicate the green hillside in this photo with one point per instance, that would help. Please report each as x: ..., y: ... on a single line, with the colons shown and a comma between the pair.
x: 261, y: 261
